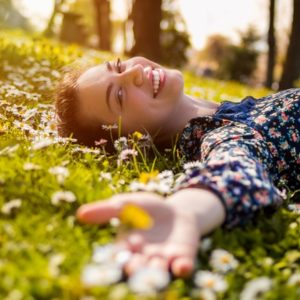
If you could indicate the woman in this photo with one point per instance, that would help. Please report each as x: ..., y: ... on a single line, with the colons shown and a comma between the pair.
x: 246, y: 150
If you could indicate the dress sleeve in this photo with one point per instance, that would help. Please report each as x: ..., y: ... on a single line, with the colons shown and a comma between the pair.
x: 235, y: 168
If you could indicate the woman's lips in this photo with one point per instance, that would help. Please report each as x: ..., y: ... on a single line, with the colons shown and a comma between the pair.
x: 162, y: 78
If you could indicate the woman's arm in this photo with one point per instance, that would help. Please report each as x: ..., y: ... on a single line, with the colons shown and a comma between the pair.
x: 234, y: 165
x: 204, y: 203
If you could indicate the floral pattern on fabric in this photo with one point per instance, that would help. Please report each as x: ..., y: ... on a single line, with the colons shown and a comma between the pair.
x: 247, y: 150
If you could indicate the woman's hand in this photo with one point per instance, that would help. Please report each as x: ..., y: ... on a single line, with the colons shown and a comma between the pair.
x: 171, y: 243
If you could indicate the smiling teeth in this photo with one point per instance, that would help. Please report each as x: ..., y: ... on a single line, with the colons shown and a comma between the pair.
x: 156, y: 81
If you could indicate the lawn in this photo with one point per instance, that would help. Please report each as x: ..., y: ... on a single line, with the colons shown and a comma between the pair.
x: 44, y: 251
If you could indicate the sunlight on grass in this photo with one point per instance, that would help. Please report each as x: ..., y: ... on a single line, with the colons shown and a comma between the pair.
x: 44, y: 179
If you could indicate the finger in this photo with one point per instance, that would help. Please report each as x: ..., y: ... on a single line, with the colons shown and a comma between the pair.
x: 135, y: 242
x: 136, y: 262
x: 182, y: 266
x: 99, y: 212
x: 158, y: 262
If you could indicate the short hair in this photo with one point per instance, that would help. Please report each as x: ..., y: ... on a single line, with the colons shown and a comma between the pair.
x: 67, y: 112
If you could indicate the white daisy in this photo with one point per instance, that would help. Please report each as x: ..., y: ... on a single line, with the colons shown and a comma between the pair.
x: 42, y: 144
x: 105, y: 176
x: 204, y: 294
x: 97, y: 275
x: 31, y: 166
x: 192, y: 164
x: 111, y: 254
x: 294, y: 279
x: 205, y: 244
x: 294, y: 208
x: 211, y: 281
x: 148, y: 280
x: 54, y: 263
x: 222, y: 261
x: 61, y: 173
x: 256, y: 287
x: 62, y: 196
x: 11, y: 206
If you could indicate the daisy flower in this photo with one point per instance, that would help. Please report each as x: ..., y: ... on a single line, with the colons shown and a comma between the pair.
x: 222, y: 261
x: 10, y: 206
x: 256, y: 287
x: 211, y: 281
x: 294, y: 279
x: 62, y: 196
x: 148, y: 280
x: 101, y: 275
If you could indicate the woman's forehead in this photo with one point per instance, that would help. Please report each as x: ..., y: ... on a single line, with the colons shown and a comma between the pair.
x: 91, y: 76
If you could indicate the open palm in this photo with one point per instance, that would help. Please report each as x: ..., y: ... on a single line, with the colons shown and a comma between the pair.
x: 172, y: 241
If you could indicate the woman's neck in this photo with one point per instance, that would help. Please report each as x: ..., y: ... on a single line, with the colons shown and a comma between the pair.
x: 187, y: 109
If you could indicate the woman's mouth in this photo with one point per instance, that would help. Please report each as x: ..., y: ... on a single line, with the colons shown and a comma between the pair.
x: 158, y: 80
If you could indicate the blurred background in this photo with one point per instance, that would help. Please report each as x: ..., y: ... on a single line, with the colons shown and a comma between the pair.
x: 256, y: 42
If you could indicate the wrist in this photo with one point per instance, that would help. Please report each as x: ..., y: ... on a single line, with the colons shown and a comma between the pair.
x: 204, y: 204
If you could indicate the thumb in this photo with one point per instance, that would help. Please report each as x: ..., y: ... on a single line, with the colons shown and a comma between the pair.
x: 99, y: 212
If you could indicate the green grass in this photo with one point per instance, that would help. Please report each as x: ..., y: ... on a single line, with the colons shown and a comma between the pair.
x: 35, y: 234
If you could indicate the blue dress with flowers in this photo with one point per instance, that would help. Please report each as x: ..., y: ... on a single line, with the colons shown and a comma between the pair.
x: 245, y: 151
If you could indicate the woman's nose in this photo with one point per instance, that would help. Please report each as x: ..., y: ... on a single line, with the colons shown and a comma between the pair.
x: 135, y: 74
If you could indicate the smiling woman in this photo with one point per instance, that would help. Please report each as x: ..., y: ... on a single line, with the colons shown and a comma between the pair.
x: 243, y: 152
x: 142, y: 94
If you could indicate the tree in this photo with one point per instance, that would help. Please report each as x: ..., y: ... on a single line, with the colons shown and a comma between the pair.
x: 146, y: 16
x: 272, y: 45
x: 174, y: 39
x: 10, y: 17
x: 57, y: 9
x: 240, y: 61
x: 103, y: 23
x: 215, y: 48
x: 291, y: 67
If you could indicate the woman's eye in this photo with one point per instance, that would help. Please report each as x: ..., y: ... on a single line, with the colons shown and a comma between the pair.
x: 120, y: 97
x: 119, y: 65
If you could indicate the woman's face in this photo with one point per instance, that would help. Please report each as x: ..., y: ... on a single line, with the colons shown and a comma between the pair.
x: 141, y: 92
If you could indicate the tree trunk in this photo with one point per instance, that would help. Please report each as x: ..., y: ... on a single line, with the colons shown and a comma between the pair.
x: 272, y: 46
x: 57, y: 6
x: 291, y: 68
x: 146, y: 16
x: 103, y: 23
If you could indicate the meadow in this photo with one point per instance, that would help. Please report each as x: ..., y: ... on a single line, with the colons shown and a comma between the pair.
x: 45, y: 253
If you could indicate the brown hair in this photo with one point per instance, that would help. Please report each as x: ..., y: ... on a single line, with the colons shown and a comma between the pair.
x: 67, y: 112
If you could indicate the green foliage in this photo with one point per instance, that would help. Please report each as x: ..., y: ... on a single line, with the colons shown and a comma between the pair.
x: 43, y: 248
x: 174, y: 38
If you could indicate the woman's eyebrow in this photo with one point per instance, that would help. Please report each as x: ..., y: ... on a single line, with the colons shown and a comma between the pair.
x: 110, y: 86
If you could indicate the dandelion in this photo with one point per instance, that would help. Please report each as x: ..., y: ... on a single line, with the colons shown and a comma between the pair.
x: 12, y: 205
x: 61, y: 173
x: 148, y: 280
x: 62, y: 196
x: 211, y: 281
x: 101, y: 275
x: 222, y: 261
x: 255, y: 288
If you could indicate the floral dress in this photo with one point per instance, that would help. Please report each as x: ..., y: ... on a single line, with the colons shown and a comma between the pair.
x: 245, y: 152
